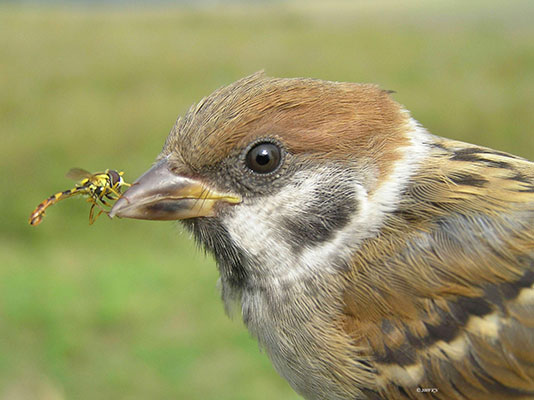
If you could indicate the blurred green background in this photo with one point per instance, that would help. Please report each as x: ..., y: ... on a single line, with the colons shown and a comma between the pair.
x: 129, y: 309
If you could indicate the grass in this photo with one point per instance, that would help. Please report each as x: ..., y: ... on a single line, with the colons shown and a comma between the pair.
x: 129, y: 309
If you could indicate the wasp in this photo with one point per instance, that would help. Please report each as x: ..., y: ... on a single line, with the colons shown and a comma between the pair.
x: 98, y: 187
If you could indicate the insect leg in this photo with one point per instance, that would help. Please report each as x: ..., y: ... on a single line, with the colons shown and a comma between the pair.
x: 104, y: 202
x: 95, y: 200
x: 115, y: 192
x: 91, y: 219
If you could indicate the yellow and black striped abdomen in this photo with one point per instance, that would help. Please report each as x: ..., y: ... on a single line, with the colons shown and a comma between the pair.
x: 37, y: 214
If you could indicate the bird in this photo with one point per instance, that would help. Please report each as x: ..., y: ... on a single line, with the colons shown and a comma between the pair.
x: 369, y: 258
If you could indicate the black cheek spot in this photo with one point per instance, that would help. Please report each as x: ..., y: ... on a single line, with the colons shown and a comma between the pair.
x: 328, y: 212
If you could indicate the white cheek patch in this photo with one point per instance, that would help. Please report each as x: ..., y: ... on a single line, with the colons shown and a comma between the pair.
x: 257, y: 226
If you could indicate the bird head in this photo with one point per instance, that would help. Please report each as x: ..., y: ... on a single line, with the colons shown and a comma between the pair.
x: 270, y: 172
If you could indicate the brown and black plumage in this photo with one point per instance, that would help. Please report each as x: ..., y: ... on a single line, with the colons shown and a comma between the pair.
x: 371, y: 259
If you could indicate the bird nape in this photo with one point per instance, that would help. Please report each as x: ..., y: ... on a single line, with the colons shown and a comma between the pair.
x: 370, y: 258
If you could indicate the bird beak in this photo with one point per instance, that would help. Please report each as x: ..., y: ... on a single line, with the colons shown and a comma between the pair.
x: 159, y: 194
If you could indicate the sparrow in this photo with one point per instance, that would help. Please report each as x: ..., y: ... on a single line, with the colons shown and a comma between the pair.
x: 368, y: 257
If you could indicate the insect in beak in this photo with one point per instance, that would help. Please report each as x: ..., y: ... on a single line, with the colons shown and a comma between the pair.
x: 100, y: 188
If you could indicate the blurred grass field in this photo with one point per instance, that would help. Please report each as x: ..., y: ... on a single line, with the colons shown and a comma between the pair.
x: 129, y: 309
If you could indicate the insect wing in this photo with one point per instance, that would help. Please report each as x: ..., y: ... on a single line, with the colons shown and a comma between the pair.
x: 78, y: 174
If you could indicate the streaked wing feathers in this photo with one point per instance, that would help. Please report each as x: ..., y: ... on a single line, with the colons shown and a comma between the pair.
x: 449, y: 305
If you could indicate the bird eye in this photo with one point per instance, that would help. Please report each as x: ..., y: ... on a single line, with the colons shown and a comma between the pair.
x: 263, y: 158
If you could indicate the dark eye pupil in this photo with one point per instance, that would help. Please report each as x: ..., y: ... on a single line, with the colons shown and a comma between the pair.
x: 263, y: 158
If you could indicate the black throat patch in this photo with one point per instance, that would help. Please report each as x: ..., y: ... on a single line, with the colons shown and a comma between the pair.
x: 214, y: 237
